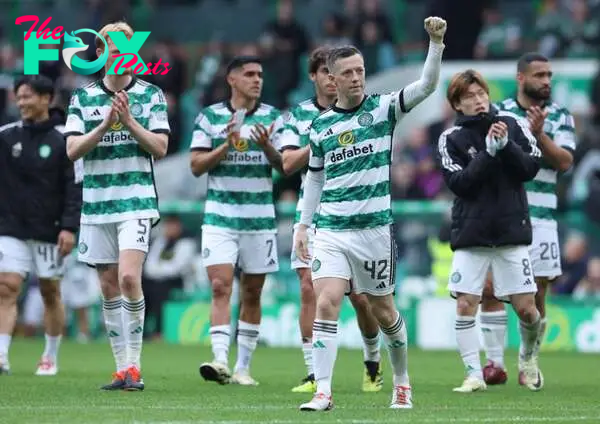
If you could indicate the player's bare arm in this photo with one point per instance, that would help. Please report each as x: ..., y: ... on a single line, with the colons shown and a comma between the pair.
x: 262, y: 137
x: 203, y: 160
x: 153, y: 143
x: 416, y: 92
x: 293, y: 160
x: 79, y: 145
x: 559, y: 157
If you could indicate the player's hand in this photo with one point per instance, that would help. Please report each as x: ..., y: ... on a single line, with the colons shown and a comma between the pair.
x: 261, y: 135
x: 66, y: 242
x: 499, y: 132
x: 536, y: 117
x: 301, y: 244
x: 121, y: 102
x: 436, y: 28
x: 111, y: 118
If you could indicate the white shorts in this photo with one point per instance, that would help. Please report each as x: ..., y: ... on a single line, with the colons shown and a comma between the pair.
x: 296, y: 262
x: 33, y: 307
x: 254, y: 253
x: 545, y: 252
x: 80, y: 286
x: 511, y: 270
x: 366, y: 258
x: 101, y: 243
x: 23, y: 257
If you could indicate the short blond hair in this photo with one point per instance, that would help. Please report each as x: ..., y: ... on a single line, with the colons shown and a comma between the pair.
x: 120, y: 26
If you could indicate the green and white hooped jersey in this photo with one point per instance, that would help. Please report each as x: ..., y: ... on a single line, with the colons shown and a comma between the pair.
x: 354, y: 147
x: 541, y: 191
x: 118, y: 174
x: 240, y: 188
x: 295, y: 135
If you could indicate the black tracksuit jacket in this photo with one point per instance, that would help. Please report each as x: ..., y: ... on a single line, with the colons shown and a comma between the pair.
x: 490, y: 208
x: 38, y: 194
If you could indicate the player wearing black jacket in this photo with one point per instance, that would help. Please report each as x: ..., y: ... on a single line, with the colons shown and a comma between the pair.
x: 486, y: 158
x: 39, y: 213
x: 491, y: 206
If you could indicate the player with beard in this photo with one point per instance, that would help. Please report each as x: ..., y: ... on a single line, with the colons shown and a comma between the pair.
x: 118, y: 125
x: 554, y: 128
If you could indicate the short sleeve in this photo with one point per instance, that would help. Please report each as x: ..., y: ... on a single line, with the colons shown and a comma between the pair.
x: 201, y: 136
x: 277, y: 132
x: 75, y: 124
x: 159, y: 118
x: 290, y: 136
x: 394, y: 102
x: 565, y: 135
x: 317, y: 157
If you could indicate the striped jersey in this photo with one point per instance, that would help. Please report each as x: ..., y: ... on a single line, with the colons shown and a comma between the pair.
x: 541, y: 191
x: 295, y: 135
x: 354, y: 147
x: 118, y: 174
x: 240, y: 188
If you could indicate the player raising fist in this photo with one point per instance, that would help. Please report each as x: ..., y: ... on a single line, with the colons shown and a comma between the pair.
x: 354, y: 241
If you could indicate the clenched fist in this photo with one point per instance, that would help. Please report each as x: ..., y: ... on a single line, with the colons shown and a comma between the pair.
x: 436, y: 28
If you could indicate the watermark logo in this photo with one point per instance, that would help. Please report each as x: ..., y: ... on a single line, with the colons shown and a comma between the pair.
x: 128, y: 56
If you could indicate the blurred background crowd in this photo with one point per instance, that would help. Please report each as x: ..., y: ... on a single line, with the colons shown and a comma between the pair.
x: 198, y: 37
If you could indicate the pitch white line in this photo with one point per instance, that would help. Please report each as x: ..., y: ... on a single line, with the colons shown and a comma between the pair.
x: 395, y: 421
x: 173, y: 407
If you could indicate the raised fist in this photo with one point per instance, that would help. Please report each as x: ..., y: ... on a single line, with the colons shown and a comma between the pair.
x: 436, y: 28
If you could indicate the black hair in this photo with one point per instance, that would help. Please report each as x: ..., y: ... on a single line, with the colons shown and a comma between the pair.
x: 525, y: 60
x: 338, y: 53
x: 40, y: 84
x: 239, y: 61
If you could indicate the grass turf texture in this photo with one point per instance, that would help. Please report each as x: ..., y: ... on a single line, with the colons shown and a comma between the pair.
x: 176, y: 393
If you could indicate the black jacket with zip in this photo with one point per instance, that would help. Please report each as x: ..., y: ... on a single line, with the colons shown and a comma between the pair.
x: 490, y: 208
x: 38, y: 193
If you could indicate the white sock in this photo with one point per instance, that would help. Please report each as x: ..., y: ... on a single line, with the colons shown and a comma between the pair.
x: 4, y: 346
x: 51, y: 349
x: 134, y: 313
x: 493, y: 326
x: 220, y: 336
x: 324, y: 353
x: 540, y: 339
x: 113, y: 321
x: 468, y: 345
x: 529, y: 337
x: 247, y: 340
x: 371, y: 351
x: 396, y: 340
x: 308, y: 357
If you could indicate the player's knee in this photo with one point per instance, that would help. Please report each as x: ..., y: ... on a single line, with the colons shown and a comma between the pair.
x: 307, y: 291
x: 251, y: 294
x: 360, y: 303
x: 50, y: 291
x: 9, y: 288
x: 386, y: 317
x: 327, y: 305
x: 466, y: 305
x: 130, y: 281
x: 221, y: 288
x: 109, y: 281
x: 526, y: 309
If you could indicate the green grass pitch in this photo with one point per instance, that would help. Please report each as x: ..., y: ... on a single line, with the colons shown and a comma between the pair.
x: 175, y: 393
